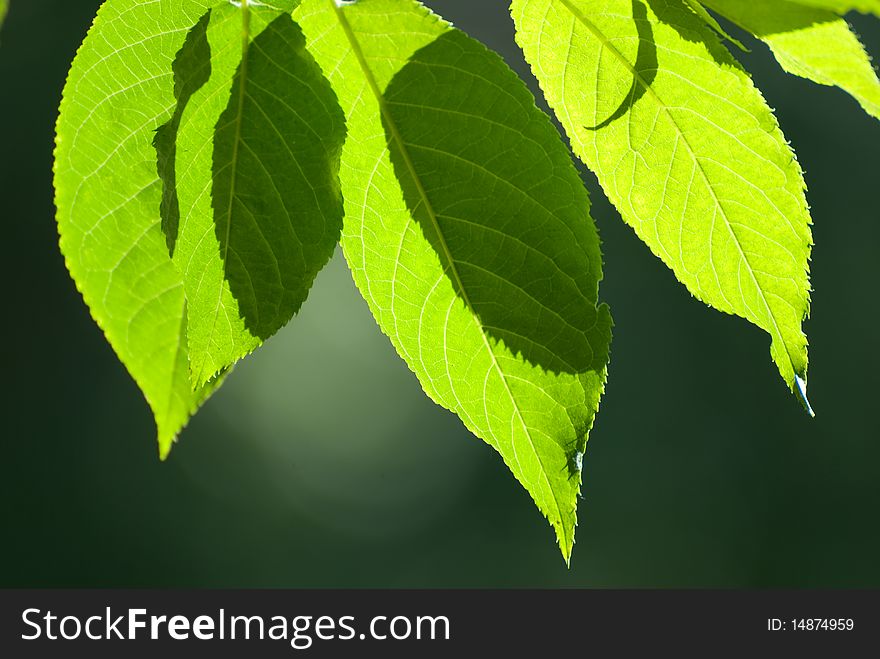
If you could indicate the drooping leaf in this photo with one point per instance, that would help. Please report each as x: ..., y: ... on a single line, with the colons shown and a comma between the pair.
x: 257, y: 210
x: 4, y: 7
x: 108, y: 193
x: 811, y: 43
x: 842, y: 6
x: 687, y: 150
x: 468, y: 232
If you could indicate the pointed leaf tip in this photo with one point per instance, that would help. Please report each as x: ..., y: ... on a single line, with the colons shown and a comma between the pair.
x: 483, y: 272
x: 119, y: 91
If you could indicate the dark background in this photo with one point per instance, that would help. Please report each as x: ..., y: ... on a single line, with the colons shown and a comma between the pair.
x: 321, y: 462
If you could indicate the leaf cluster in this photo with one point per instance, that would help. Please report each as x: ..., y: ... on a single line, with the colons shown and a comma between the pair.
x: 210, y: 155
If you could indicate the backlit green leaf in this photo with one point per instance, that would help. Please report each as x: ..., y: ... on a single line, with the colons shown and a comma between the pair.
x: 257, y: 210
x: 811, y: 43
x: 108, y: 193
x: 468, y: 232
x: 687, y: 150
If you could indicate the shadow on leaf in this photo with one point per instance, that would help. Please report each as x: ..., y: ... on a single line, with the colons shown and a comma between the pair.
x: 765, y: 19
x: 275, y: 195
x: 644, y: 70
x: 192, y: 69
x: 276, y: 205
x: 500, y: 204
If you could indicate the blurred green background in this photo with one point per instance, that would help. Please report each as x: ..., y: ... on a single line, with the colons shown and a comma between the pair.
x: 321, y: 462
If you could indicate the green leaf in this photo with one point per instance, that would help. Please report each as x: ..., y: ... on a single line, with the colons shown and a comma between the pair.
x: 468, y: 232
x: 811, y: 43
x: 107, y: 191
x: 257, y: 209
x: 4, y: 8
x: 842, y: 6
x: 686, y: 149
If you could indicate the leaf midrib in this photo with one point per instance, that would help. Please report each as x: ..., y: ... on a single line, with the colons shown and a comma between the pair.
x: 606, y: 43
x: 398, y: 139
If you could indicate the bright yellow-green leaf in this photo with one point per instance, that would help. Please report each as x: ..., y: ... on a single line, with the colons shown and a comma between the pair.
x: 686, y: 149
x: 120, y: 90
x: 130, y: 152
